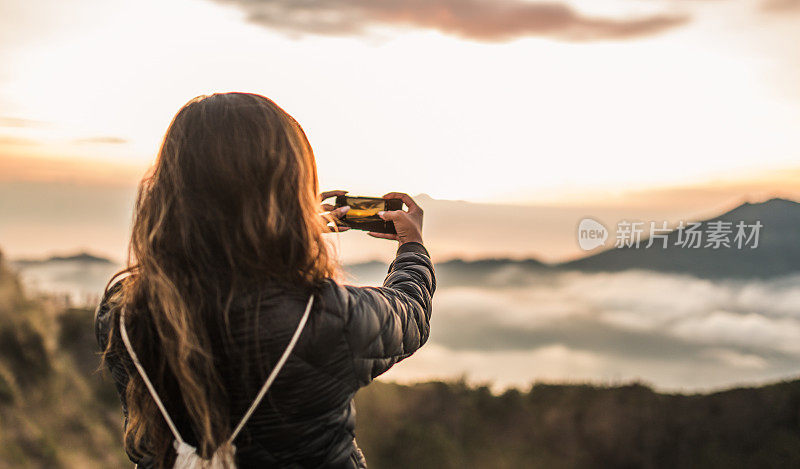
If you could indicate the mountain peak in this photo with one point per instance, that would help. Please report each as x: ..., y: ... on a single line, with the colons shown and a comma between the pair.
x: 777, y: 250
x: 780, y: 202
x: 773, y: 202
x: 776, y: 209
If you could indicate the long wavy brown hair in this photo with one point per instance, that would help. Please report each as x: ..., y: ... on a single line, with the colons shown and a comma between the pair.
x: 230, y: 203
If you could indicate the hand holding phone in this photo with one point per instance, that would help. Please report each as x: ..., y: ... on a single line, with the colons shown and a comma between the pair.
x: 384, y: 217
x: 363, y: 213
x: 407, y: 224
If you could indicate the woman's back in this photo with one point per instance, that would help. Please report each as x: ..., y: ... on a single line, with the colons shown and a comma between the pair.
x: 353, y: 335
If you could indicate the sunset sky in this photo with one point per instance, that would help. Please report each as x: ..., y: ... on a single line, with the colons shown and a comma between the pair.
x: 501, y: 101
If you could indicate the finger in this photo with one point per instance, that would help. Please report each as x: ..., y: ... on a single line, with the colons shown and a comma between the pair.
x: 383, y: 235
x: 328, y: 207
x: 337, y: 229
x: 329, y: 194
x: 339, y: 212
x: 391, y: 215
x: 412, y: 206
x: 328, y: 218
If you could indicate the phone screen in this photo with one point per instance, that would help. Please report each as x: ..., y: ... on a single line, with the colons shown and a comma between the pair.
x: 364, y: 208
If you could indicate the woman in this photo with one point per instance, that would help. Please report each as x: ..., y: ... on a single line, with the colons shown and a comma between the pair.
x: 226, y: 252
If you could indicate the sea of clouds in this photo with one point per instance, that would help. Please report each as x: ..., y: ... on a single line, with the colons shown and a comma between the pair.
x: 674, y: 332
x: 511, y: 325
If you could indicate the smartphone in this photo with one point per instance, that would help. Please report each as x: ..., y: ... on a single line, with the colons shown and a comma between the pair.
x: 363, y: 213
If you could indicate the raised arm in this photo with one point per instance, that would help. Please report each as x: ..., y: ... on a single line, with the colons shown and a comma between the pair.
x: 384, y: 325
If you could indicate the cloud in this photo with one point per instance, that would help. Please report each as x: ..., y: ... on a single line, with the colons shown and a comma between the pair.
x: 620, y: 313
x: 12, y: 140
x: 499, y: 369
x: 780, y: 6
x: 750, y: 330
x: 6, y: 121
x: 15, y: 140
x: 102, y: 140
x: 35, y: 169
x: 675, y: 332
x: 737, y: 359
x: 482, y: 20
x: 628, y: 325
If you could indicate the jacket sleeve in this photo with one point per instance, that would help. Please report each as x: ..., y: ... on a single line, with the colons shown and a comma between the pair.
x: 384, y: 325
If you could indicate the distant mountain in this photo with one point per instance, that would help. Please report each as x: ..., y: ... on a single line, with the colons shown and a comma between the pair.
x: 487, y: 272
x: 778, y: 251
x: 498, y: 272
x: 80, y: 277
x: 79, y: 257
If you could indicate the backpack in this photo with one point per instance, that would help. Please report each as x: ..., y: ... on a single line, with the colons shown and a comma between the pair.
x: 225, y: 455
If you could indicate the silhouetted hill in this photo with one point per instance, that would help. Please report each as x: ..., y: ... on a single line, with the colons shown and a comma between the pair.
x: 484, y: 272
x: 79, y: 257
x: 450, y: 425
x: 778, y: 252
x: 79, y: 279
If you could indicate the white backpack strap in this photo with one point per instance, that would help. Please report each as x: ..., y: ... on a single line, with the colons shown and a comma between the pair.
x: 274, y: 372
x: 186, y: 451
x: 146, y: 380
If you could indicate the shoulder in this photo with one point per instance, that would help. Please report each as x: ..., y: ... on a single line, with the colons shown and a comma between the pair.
x: 333, y: 298
x: 346, y: 305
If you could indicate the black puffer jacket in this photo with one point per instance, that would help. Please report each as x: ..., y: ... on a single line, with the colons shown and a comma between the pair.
x: 308, y: 418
